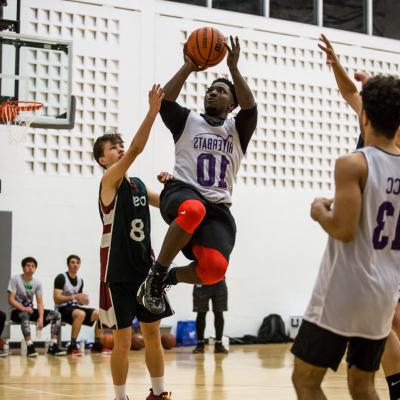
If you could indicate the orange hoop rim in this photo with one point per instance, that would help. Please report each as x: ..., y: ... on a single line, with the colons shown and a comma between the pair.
x: 22, y: 105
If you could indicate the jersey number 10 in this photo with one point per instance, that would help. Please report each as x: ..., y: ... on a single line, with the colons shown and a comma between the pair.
x: 381, y: 241
x: 209, y: 161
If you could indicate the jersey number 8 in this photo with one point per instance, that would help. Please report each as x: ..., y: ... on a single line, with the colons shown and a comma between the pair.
x: 137, y: 233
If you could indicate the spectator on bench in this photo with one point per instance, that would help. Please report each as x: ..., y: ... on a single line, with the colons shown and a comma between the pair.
x: 70, y: 299
x: 22, y: 288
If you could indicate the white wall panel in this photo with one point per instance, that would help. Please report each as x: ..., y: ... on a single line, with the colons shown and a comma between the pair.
x: 51, y: 185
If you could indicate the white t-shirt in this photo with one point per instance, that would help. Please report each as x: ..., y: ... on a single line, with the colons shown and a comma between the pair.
x: 24, y: 290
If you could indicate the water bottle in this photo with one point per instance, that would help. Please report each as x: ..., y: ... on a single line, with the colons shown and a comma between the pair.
x: 225, y: 342
x: 38, y: 332
x: 24, y: 348
x: 6, y: 347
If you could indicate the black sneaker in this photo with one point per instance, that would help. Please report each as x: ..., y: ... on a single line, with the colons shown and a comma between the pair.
x: 55, y: 350
x: 199, y: 348
x: 73, y: 350
x: 31, y: 351
x: 151, y: 293
x: 220, y: 348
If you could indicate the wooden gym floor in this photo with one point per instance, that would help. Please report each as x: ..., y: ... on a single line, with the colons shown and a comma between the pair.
x: 248, y: 372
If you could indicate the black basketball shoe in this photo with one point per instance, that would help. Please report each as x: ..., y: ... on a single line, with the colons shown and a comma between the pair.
x: 151, y: 293
x: 54, y: 350
x: 199, y: 347
x: 31, y: 351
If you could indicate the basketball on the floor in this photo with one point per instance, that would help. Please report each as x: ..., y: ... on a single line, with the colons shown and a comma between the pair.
x: 168, y: 341
x: 137, y: 341
x: 1, y: 343
x: 107, y: 341
x: 206, y: 47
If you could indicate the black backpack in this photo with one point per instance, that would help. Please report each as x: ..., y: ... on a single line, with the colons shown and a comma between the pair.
x: 272, y: 330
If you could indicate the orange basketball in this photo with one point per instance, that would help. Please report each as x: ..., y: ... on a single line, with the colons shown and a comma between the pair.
x: 107, y: 341
x: 168, y: 341
x: 137, y: 341
x: 206, y: 47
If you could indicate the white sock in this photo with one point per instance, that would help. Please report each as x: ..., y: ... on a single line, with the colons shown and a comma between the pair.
x: 120, y: 393
x: 157, y: 384
x: 54, y: 340
x: 28, y: 342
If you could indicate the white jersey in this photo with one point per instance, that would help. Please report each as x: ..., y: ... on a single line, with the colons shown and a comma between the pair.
x: 208, y: 157
x: 69, y: 289
x: 356, y: 291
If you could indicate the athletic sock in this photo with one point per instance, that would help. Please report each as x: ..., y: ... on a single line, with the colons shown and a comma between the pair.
x: 54, y: 340
x: 393, y: 382
x: 157, y: 384
x: 159, y: 268
x: 28, y: 342
x: 120, y: 393
x: 171, y: 277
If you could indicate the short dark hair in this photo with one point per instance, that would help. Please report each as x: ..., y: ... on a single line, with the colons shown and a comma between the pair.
x: 27, y: 260
x: 70, y: 257
x: 381, y: 102
x: 98, y: 147
x: 231, y: 87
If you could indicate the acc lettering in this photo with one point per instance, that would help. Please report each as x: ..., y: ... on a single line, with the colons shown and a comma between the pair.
x: 139, y: 201
x: 393, y: 186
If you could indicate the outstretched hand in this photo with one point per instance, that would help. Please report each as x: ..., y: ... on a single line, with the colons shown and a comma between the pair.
x: 156, y: 96
x: 233, y: 52
x: 361, y: 76
x: 189, y: 62
x: 165, y: 177
x: 326, y: 47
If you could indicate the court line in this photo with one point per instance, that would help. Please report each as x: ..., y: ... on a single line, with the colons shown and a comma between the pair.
x: 36, y: 391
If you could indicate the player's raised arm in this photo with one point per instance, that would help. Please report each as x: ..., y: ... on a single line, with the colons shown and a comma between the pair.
x: 346, y: 86
x: 244, y: 95
x: 117, y: 170
x: 175, y: 84
x: 340, y: 217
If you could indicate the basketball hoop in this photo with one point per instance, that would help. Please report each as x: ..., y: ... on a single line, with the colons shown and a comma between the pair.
x: 17, y: 116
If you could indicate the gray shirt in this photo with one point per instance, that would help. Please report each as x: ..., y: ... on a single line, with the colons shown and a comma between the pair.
x: 24, y: 290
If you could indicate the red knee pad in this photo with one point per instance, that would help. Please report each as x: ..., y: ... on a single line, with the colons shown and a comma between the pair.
x: 211, y: 264
x: 190, y: 215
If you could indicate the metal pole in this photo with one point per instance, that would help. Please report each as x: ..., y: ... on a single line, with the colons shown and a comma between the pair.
x: 369, y: 17
x: 319, y: 12
x: 266, y: 8
x: 17, y: 50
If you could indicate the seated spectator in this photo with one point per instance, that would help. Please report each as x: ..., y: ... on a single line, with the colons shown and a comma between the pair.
x: 22, y: 288
x: 70, y: 299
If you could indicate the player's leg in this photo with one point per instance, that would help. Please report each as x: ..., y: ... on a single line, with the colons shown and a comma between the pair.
x: 23, y: 318
x: 54, y: 318
x: 201, y: 299
x: 363, y: 358
x: 186, y: 211
x: 220, y: 304
x: 77, y: 318
x: 154, y: 356
x: 119, y: 360
x: 391, y: 365
x: 92, y: 317
x: 307, y: 379
x: 315, y: 350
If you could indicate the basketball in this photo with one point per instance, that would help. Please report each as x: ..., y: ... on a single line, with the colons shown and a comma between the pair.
x: 206, y: 47
x: 168, y: 341
x: 1, y: 343
x: 107, y: 341
x: 137, y: 341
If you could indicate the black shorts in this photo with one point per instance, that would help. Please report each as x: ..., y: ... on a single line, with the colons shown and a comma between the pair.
x: 218, y: 228
x: 33, y: 317
x: 217, y: 293
x: 118, y: 306
x: 322, y: 348
x: 66, y: 314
